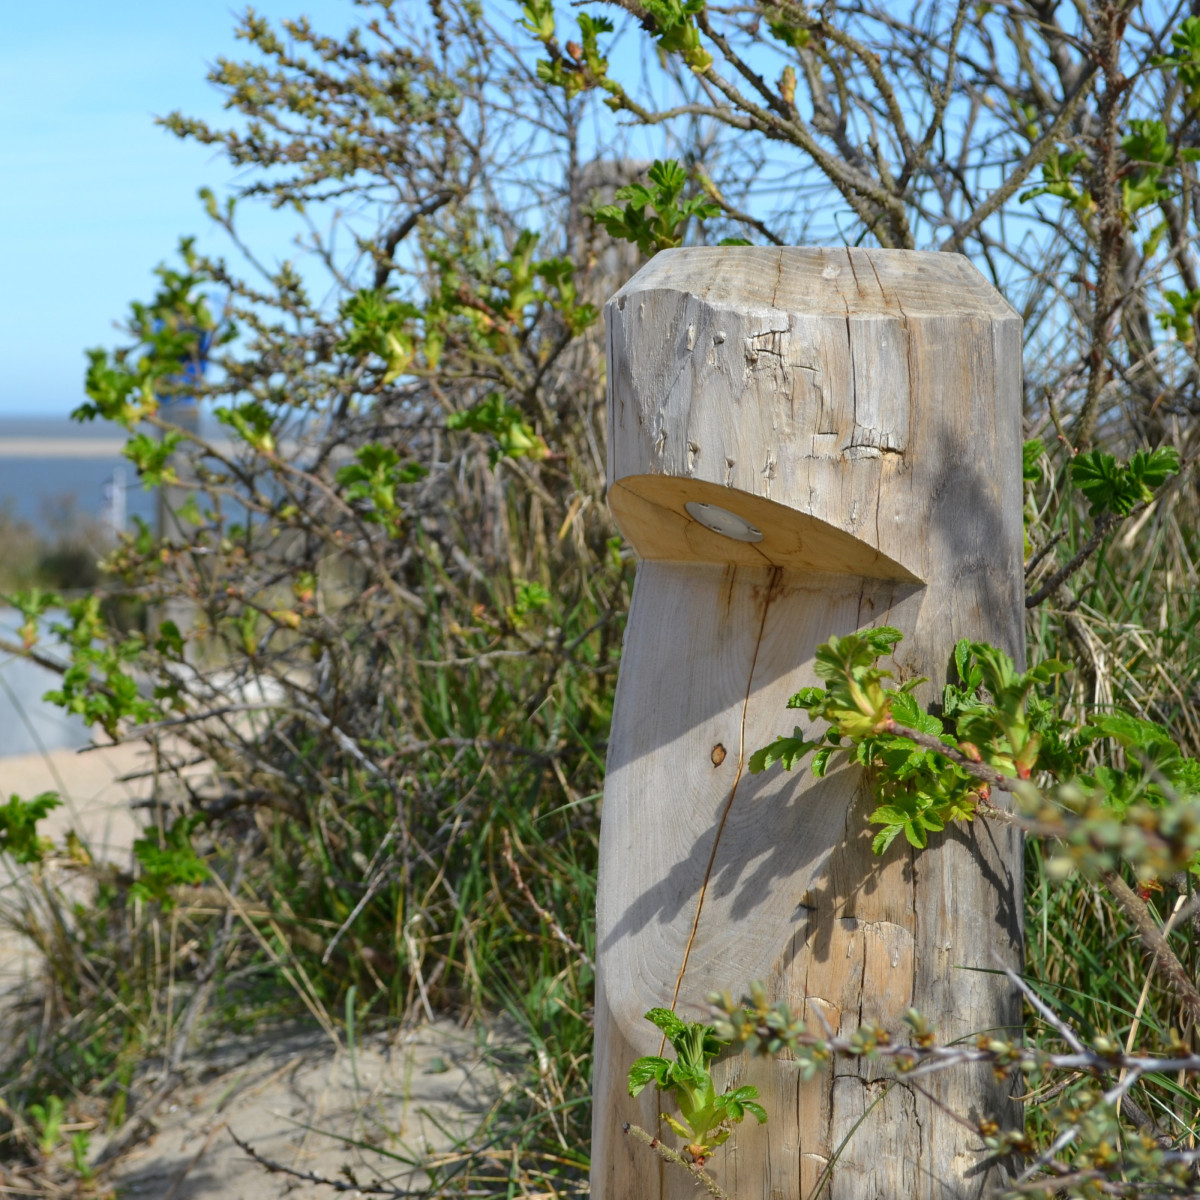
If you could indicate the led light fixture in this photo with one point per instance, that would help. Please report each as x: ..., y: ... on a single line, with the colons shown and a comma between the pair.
x: 722, y: 521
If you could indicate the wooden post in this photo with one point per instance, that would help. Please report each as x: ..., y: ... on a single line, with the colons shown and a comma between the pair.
x: 802, y: 442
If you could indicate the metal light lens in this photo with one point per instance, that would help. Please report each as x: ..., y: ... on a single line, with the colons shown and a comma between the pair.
x: 721, y: 520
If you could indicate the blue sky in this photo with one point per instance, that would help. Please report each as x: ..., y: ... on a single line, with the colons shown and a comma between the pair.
x: 95, y: 194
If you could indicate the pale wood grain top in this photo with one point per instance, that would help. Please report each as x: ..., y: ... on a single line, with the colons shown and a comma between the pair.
x: 823, y: 280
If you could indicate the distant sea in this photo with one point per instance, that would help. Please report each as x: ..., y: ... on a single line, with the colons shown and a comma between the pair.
x: 51, y: 466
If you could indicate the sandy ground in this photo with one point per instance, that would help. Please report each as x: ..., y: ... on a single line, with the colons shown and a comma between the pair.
x: 95, y: 803
x: 392, y: 1106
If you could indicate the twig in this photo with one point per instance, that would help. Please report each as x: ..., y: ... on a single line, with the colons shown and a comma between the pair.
x: 182, y: 1174
x: 701, y: 1176
x: 142, y: 1123
x: 375, y: 882
x: 1036, y: 560
x: 338, y: 1185
x: 1103, y: 526
x: 980, y: 770
x: 1046, y: 1012
x: 916, y: 1061
x: 555, y: 928
x: 51, y: 664
x: 1136, y: 909
x: 1037, y: 152
x: 1112, y: 1097
x: 384, y: 263
x: 1140, y: 1118
x: 734, y: 212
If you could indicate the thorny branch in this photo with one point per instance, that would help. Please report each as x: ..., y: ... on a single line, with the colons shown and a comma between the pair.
x: 701, y: 1176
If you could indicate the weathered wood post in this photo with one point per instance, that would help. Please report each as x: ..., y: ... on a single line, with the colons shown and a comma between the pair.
x: 802, y: 442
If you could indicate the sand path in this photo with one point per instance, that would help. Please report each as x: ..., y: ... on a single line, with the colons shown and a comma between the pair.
x: 95, y: 803
x: 394, y: 1103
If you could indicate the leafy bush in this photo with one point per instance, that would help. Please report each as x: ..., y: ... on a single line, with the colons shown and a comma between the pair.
x: 387, y: 606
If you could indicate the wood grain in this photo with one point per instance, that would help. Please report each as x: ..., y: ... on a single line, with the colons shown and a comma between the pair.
x: 862, y: 408
x: 651, y: 510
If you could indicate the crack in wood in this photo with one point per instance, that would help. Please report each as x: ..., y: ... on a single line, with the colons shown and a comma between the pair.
x: 741, y: 766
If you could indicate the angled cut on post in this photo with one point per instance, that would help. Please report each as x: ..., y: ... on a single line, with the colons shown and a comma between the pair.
x: 802, y: 442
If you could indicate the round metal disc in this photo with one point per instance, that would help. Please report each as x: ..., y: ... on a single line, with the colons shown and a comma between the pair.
x: 722, y: 521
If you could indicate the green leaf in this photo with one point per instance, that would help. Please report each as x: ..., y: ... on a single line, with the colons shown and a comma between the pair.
x: 667, y: 1021
x: 674, y: 21
x: 530, y: 597
x: 1131, y: 731
x: 969, y: 674
x: 538, y: 18
x: 746, y: 1092
x: 168, y: 864
x: 371, y: 482
x: 1057, y: 171
x: 669, y: 176
x: 1184, y: 58
x: 48, y: 1118
x: 640, y: 195
x: 739, y: 1102
x: 514, y: 438
x: 152, y: 457
x: 1151, y: 470
x: 648, y: 1069
x: 680, y: 1130
x: 1181, y: 314
x: 820, y: 762
x: 1185, y: 778
x: 792, y: 36
x: 170, y: 641
x: 1044, y: 671
x: 882, y: 639
x: 595, y: 25
x: 1031, y: 453
x: 1119, y: 489
x: 377, y: 325
x: 252, y: 423
x: 907, y: 712
x: 889, y: 814
x: 884, y: 838
x: 18, y: 826
x: 1098, y: 477
x: 664, y: 226
x: 1150, y: 151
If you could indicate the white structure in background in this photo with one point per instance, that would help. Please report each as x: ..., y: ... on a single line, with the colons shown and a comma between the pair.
x: 114, y: 499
